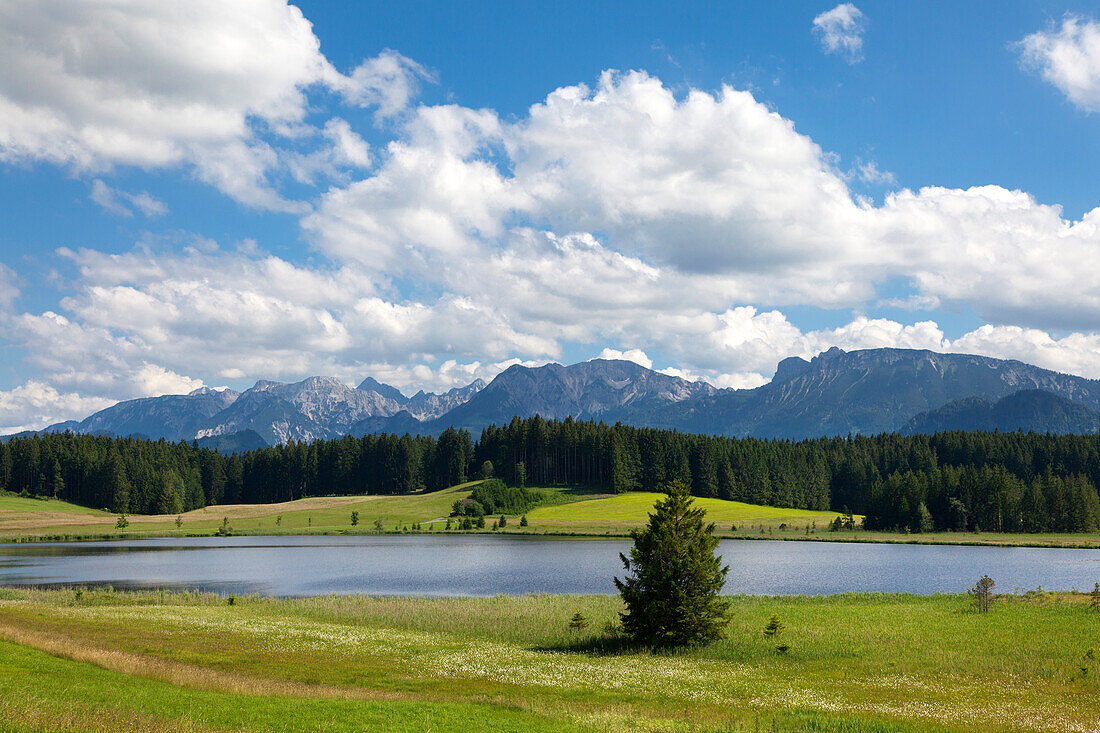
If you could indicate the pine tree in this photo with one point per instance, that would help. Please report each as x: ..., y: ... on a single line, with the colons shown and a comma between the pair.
x: 57, y: 482
x: 672, y: 593
x: 5, y: 466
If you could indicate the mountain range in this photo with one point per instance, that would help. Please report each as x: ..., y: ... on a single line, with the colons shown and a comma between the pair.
x: 836, y: 393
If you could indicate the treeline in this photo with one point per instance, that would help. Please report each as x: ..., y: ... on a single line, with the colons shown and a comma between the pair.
x: 1012, y: 482
x: 949, y: 481
x: 128, y: 475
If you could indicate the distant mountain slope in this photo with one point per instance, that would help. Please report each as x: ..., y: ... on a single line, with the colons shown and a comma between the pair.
x: 170, y: 416
x: 428, y: 405
x: 868, y: 391
x: 315, y: 408
x: 589, y: 390
x: 1032, y: 409
x: 370, y: 384
x: 836, y: 393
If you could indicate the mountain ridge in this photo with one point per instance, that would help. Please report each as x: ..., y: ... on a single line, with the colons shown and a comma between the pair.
x: 863, y: 391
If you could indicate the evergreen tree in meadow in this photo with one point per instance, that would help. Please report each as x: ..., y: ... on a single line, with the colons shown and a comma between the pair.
x: 672, y: 590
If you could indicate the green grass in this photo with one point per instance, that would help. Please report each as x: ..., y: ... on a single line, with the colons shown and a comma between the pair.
x: 23, y: 505
x: 35, y: 518
x: 564, y: 511
x: 861, y: 662
x: 622, y: 512
x: 43, y: 692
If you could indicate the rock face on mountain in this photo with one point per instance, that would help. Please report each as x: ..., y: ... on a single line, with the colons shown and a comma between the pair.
x: 597, y: 389
x: 317, y: 408
x: 835, y: 393
x: 370, y: 384
x: 428, y: 405
x: 1028, y: 410
x: 869, y: 391
x: 169, y: 417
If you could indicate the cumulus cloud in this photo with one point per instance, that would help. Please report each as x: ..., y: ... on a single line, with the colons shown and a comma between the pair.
x: 93, y: 85
x: 619, y: 215
x: 121, y: 203
x: 35, y: 404
x: 387, y: 82
x: 840, y: 31
x: 635, y: 355
x: 712, y: 193
x: 1069, y: 58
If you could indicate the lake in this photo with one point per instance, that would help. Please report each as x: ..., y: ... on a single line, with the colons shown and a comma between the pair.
x: 480, y: 565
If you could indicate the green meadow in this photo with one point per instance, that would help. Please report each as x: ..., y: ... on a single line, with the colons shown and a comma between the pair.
x: 564, y: 511
x: 99, y: 660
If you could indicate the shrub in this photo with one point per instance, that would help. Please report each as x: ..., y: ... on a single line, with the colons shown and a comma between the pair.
x: 354, y: 518
x: 494, y: 497
x: 523, y: 521
x: 846, y: 522
x: 122, y: 522
x: 672, y: 595
x: 378, y: 526
x: 774, y: 627
x: 982, y: 593
x: 503, y: 522
x: 578, y: 622
x: 1094, y: 598
x: 179, y: 521
x: 225, y: 530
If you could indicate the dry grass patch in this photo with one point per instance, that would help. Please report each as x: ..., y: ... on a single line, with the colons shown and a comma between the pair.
x: 179, y: 673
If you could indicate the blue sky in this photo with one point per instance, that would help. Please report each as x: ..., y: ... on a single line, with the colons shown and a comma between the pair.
x: 217, y: 193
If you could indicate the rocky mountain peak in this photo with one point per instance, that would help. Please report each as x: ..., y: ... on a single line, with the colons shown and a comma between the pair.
x: 370, y: 384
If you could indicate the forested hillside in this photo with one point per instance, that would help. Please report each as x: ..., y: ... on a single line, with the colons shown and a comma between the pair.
x: 957, y: 480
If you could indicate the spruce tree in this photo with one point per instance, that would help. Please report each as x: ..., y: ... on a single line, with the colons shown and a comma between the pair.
x: 672, y: 593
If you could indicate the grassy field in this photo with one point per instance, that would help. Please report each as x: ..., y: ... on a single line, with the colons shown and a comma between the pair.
x: 21, y: 517
x: 576, y: 511
x: 100, y: 660
x: 619, y: 513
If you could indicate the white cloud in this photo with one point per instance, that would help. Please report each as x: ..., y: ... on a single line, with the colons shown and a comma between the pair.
x: 1069, y: 58
x: 619, y: 215
x: 388, y: 82
x: 95, y: 85
x: 9, y: 288
x: 35, y: 404
x: 840, y: 31
x: 124, y: 204
x: 1075, y: 353
x: 870, y: 173
x: 712, y: 199
x: 635, y: 355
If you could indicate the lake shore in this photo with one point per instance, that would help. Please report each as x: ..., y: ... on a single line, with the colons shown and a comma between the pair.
x: 569, y: 512
x: 105, y: 660
x: 962, y: 539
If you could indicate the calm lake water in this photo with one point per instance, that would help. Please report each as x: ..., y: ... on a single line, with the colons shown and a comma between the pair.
x: 486, y: 565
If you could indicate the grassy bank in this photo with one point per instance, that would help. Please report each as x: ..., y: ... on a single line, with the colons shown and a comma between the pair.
x: 100, y: 660
x: 565, y: 511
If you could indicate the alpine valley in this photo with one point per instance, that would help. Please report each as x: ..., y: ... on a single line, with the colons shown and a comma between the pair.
x: 836, y: 393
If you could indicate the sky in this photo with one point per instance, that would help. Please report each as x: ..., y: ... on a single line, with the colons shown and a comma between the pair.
x: 208, y: 193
